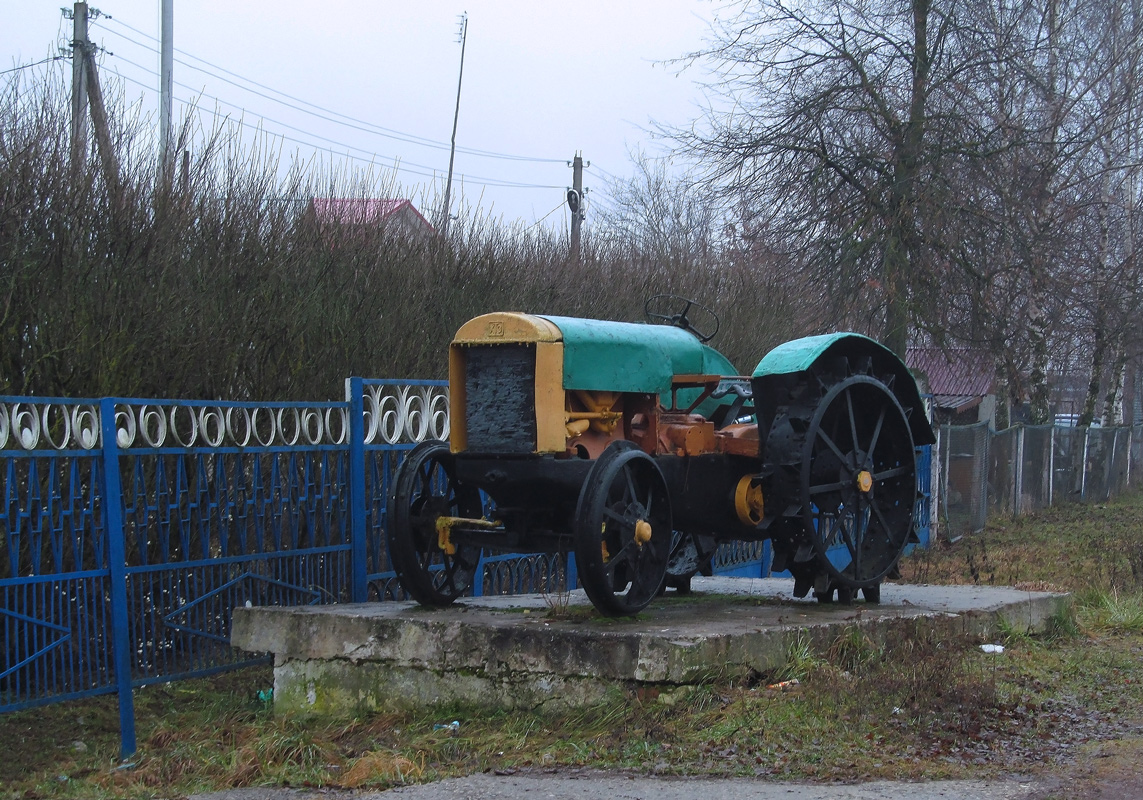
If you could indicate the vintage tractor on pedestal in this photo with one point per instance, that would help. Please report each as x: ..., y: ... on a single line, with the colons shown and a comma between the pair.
x: 639, y: 449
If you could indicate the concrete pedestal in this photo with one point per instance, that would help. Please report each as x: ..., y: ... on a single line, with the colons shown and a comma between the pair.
x: 533, y: 651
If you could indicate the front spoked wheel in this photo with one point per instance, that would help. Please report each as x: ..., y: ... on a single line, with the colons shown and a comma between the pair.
x: 432, y: 570
x: 623, y: 531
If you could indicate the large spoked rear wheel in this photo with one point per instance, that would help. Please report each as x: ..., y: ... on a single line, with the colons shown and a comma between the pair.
x: 623, y: 531
x: 858, y: 485
x: 426, y: 489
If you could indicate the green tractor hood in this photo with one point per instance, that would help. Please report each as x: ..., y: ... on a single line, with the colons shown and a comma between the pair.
x: 632, y: 357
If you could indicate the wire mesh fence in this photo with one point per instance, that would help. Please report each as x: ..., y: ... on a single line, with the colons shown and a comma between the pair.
x: 1027, y: 468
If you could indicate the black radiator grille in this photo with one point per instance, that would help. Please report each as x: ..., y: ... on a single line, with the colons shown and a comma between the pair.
x: 500, y: 398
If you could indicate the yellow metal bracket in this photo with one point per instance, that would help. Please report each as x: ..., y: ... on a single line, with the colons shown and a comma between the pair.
x: 446, y: 524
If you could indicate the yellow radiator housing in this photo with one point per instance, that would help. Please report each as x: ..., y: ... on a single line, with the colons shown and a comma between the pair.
x: 513, y: 328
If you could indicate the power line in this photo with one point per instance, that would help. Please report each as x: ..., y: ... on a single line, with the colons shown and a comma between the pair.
x: 33, y: 64
x: 604, y: 174
x: 398, y: 165
x: 536, y: 224
x: 408, y: 139
x: 368, y: 127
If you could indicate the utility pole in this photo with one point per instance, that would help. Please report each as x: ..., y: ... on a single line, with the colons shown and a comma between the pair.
x: 85, y: 91
x: 166, y: 78
x: 463, y: 38
x: 79, y: 49
x: 575, y: 203
x: 102, y: 129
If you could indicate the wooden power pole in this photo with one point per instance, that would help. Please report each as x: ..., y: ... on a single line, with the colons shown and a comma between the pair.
x: 575, y: 204
x: 446, y: 210
x: 102, y: 128
x: 85, y: 93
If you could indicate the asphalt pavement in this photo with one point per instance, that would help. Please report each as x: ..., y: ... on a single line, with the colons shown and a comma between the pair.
x: 608, y: 786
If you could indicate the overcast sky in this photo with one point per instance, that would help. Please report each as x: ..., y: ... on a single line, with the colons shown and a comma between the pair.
x: 541, y: 79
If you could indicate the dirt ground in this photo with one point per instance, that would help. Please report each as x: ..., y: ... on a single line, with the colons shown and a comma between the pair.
x: 1110, y: 770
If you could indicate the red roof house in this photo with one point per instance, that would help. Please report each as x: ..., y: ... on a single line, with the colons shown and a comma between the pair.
x: 961, y: 381
x: 395, y: 214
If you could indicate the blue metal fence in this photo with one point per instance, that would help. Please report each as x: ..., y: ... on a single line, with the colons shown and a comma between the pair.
x: 130, y: 528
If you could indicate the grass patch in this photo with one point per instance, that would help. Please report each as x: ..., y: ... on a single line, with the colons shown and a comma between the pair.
x: 916, y: 705
x: 1069, y: 547
x: 1102, y: 612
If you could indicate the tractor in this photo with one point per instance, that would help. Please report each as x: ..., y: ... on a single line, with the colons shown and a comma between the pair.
x: 638, y: 448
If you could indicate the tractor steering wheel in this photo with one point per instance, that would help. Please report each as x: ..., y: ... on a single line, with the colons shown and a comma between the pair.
x: 656, y: 308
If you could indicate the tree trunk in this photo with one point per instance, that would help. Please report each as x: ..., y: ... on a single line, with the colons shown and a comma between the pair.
x: 1099, y: 354
x: 1113, y: 399
x: 901, y: 248
x: 1002, y: 419
x: 1039, y: 409
x: 896, y: 267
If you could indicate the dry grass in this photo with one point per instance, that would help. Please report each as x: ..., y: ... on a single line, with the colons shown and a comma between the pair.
x: 918, y: 706
x: 383, y: 768
x: 1073, y: 547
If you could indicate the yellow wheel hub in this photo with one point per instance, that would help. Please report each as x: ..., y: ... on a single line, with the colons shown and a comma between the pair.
x: 642, y: 532
x: 864, y: 481
x: 748, y: 501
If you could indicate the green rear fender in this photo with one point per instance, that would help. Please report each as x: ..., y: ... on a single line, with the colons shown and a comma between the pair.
x: 778, y: 376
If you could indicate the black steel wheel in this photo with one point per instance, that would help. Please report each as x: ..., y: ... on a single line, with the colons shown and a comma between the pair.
x: 623, y: 531
x: 858, y: 483
x: 426, y: 489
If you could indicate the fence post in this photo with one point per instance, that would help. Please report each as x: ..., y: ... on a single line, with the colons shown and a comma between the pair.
x: 986, y: 446
x: 1127, y: 477
x: 936, y: 482
x: 117, y: 568
x: 478, y: 576
x: 1083, y: 464
x: 945, y: 473
x: 1052, y: 466
x: 1018, y: 473
x: 1112, y: 479
x: 358, y: 586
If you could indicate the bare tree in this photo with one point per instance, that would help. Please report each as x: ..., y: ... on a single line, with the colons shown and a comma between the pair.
x: 830, y: 121
x: 944, y: 170
x: 662, y: 213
